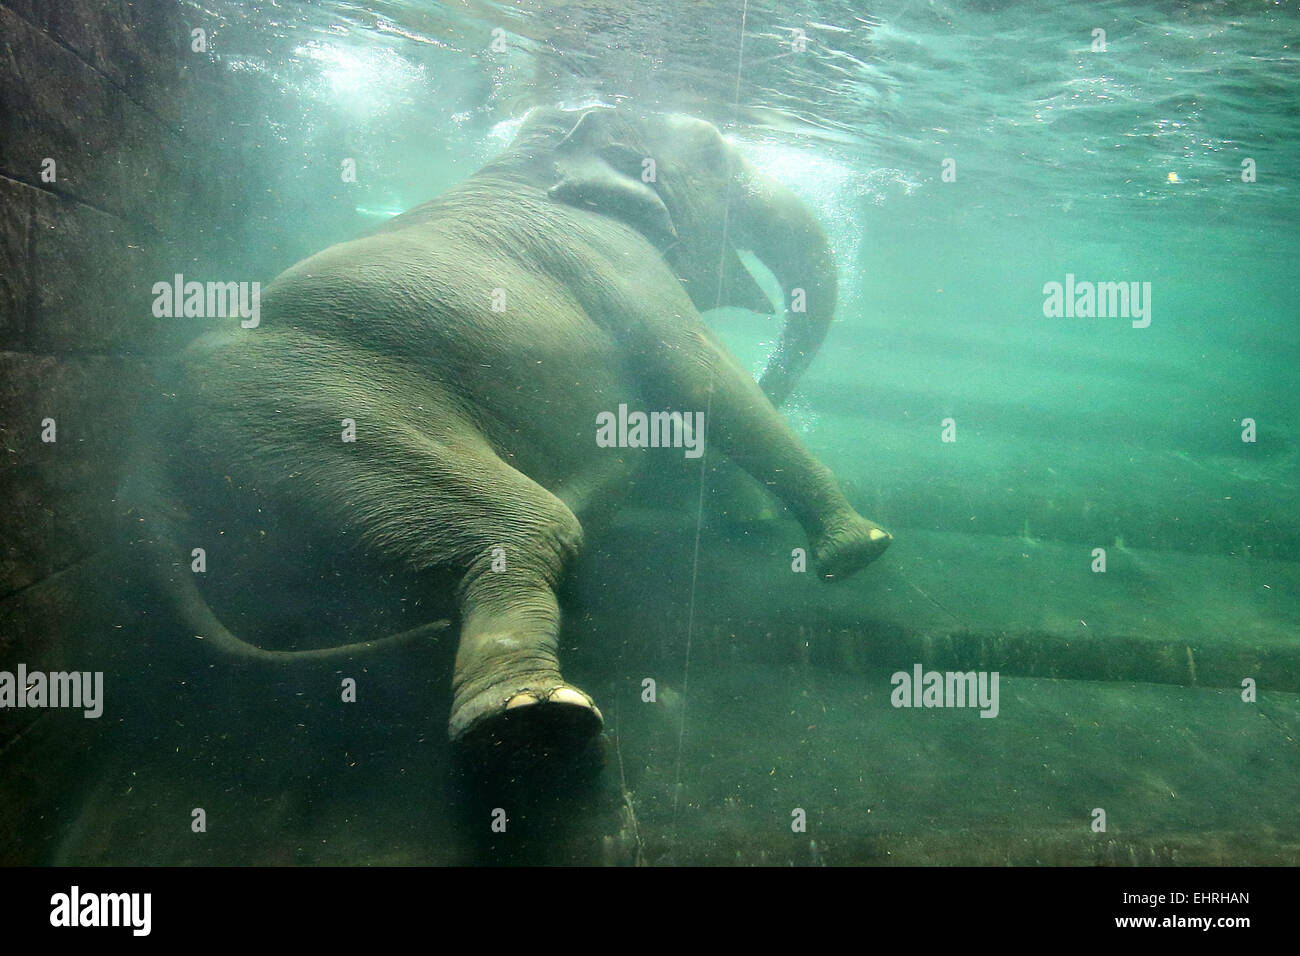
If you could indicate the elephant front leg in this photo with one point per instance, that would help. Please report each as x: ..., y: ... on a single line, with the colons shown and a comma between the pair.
x: 690, y: 370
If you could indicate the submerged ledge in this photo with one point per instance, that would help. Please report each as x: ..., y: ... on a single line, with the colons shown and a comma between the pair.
x: 947, y: 601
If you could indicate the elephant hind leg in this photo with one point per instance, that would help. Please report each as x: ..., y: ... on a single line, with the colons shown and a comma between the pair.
x: 507, y: 687
x: 433, y: 493
x: 507, y: 690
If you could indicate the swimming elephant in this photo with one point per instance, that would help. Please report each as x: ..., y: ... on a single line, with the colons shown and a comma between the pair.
x: 432, y: 393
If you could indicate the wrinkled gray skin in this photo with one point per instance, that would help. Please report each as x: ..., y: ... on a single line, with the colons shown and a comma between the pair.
x: 475, y: 428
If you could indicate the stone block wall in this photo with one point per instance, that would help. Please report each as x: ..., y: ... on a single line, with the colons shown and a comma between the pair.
x: 125, y: 158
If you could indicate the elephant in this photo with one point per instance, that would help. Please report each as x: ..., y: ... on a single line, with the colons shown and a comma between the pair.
x: 474, y: 342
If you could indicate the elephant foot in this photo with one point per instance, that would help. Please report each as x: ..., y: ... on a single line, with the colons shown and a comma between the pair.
x: 847, y: 547
x: 516, y: 724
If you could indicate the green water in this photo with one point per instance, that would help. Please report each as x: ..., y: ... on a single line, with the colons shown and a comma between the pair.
x: 1120, y: 690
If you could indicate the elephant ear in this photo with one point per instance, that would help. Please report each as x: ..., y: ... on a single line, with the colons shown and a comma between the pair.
x: 600, y: 174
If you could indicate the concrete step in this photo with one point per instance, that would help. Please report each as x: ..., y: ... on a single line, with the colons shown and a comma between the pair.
x: 1018, y: 605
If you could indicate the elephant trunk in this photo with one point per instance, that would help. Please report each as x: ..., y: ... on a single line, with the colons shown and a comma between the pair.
x: 785, y: 236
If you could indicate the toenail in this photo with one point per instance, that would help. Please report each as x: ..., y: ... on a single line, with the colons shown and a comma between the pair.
x: 567, y: 695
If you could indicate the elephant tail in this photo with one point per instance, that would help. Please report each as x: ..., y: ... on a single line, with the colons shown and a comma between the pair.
x: 204, y: 624
x: 171, y: 578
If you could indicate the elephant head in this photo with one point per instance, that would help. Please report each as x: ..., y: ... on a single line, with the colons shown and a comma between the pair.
x: 689, y: 192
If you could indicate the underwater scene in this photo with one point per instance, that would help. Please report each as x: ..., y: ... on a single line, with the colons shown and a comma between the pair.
x: 754, y: 433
